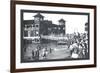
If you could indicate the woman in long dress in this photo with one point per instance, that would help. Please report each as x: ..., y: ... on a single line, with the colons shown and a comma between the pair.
x: 74, y: 51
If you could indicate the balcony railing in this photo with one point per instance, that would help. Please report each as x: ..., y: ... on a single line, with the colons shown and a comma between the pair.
x: 54, y: 37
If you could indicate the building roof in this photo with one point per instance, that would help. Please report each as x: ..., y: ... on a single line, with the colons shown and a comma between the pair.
x: 46, y: 23
x: 39, y: 15
x: 61, y: 20
x: 28, y: 21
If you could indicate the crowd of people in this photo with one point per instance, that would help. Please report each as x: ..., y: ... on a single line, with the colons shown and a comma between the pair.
x: 40, y: 52
x: 78, y: 46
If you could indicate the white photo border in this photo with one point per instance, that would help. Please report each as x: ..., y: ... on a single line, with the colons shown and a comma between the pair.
x: 20, y: 65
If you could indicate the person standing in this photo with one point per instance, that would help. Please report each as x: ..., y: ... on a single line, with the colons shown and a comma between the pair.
x: 37, y: 54
x: 75, y: 53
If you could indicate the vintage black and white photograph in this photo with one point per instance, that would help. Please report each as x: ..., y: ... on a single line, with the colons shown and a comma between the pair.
x: 51, y: 36
x: 54, y: 36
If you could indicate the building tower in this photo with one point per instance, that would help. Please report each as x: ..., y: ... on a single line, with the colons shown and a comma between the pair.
x: 61, y: 28
x: 37, y: 19
x: 61, y: 22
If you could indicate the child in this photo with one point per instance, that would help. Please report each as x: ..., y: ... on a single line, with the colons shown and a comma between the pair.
x: 75, y: 53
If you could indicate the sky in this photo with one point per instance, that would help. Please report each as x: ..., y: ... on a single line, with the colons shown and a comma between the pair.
x: 74, y: 23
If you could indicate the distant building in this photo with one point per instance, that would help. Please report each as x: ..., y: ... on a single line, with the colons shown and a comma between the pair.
x: 33, y: 29
x: 86, y: 27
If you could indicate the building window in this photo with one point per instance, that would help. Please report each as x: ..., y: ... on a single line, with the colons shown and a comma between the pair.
x: 64, y: 28
x: 25, y: 33
x: 59, y: 28
x: 25, y: 26
x: 32, y: 33
x: 33, y: 25
x: 37, y: 25
x: 41, y: 19
x: 55, y: 27
x: 33, y: 41
x: 36, y: 18
x: 37, y: 33
x: 49, y: 28
x: 37, y: 40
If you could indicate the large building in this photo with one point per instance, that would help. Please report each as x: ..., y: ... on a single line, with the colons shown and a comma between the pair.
x: 86, y: 27
x: 34, y: 29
